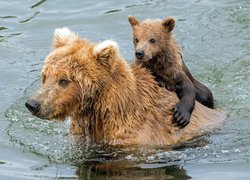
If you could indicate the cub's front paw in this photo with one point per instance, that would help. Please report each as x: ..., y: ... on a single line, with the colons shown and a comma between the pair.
x: 181, y: 115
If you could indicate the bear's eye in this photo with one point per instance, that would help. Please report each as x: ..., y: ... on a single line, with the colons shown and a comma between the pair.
x: 136, y: 40
x: 63, y: 82
x: 43, y: 79
x: 152, y: 40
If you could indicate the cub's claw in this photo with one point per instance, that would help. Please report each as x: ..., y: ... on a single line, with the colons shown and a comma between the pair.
x: 181, y: 115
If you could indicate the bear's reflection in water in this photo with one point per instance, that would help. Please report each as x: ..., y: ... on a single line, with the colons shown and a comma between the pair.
x: 109, y: 162
x: 125, y: 170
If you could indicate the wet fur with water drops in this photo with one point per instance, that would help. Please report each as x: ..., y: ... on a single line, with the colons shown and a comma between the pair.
x: 108, y: 100
x: 157, y: 50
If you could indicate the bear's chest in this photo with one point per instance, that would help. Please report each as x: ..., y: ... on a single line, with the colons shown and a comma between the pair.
x: 163, y: 73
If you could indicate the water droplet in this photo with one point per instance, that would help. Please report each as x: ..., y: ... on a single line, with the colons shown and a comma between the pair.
x: 129, y: 157
x: 224, y: 151
x: 150, y: 158
x: 236, y: 150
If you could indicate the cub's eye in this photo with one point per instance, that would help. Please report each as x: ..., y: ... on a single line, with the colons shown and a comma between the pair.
x: 63, y: 82
x: 152, y: 40
x: 136, y: 40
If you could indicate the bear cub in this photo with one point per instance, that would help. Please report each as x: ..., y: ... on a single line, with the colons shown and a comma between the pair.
x: 157, y: 50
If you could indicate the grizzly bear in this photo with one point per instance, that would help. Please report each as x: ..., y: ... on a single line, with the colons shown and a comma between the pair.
x: 157, y: 50
x: 107, y: 100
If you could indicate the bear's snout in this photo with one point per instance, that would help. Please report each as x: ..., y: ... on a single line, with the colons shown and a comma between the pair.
x: 139, y: 54
x: 33, y: 106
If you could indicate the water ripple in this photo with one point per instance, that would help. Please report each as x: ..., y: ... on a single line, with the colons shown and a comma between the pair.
x: 30, y: 18
x: 38, y: 4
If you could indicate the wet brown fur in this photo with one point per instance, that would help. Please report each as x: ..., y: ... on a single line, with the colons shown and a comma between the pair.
x: 110, y: 101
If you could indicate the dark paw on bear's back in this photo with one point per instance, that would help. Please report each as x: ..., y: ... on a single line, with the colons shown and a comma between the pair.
x: 181, y: 115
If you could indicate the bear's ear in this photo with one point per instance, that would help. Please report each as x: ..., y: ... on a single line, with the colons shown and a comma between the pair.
x: 169, y: 24
x: 133, y: 21
x: 106, y: 52
x: 63, y: 36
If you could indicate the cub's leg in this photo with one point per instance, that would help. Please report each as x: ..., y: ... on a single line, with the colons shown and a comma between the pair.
x: 186, y: 93
x: 203, y: 94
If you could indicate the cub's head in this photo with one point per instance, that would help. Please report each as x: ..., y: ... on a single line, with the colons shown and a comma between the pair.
x: 150, y: 37
x: 73, y: 76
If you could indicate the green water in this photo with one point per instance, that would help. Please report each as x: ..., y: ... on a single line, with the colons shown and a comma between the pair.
x: 215, y: 36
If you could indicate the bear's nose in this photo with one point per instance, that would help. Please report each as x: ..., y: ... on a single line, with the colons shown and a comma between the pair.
x: 139, y: 54
x: 33, y: 106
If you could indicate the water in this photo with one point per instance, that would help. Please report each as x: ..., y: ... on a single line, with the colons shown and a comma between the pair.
x: 215, y: 36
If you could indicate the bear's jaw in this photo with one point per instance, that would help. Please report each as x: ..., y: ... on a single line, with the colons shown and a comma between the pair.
x: 143, y: 61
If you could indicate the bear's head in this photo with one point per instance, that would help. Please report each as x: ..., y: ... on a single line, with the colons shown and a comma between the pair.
x: 74, y: 74
x: 151, y: 37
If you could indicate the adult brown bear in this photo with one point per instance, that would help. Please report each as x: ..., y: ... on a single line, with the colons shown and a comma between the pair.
x: 108, y: 100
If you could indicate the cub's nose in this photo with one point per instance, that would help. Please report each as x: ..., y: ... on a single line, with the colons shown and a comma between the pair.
x: 139, y: 54
x: 33, y: 106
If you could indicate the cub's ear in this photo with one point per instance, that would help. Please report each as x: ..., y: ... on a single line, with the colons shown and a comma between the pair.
x: 106, y: 52
x: 169, y: 24
x: 133, y: 21
x: 63, y: 36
